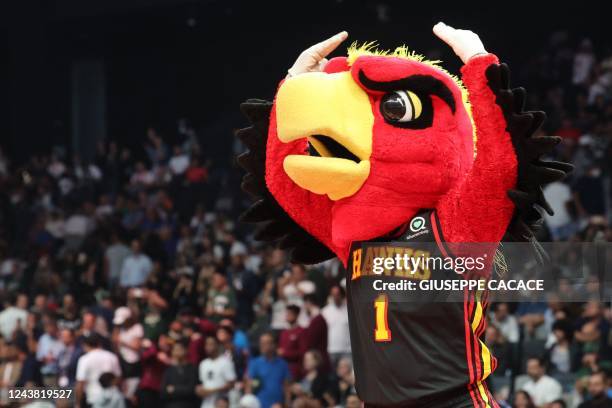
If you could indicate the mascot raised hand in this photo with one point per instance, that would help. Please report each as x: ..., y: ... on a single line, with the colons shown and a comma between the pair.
x: 389, y: 147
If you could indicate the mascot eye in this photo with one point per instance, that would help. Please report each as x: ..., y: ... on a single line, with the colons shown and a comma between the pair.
x: 401, y: 106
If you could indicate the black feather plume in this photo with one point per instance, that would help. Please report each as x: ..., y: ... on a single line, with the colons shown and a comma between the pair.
x: 275, y: 225
x: 533, y: 172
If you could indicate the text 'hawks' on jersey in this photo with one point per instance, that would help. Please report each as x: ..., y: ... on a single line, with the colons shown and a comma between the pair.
x: 415, y: 337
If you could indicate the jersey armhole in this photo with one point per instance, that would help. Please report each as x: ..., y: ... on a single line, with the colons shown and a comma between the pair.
x: 437, y: 232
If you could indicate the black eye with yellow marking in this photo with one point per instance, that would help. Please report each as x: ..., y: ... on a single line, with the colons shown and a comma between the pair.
x: 411, y: 109
x: 401, y: 106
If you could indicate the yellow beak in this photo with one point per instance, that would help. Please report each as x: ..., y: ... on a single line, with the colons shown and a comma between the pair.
x: 335, y: 114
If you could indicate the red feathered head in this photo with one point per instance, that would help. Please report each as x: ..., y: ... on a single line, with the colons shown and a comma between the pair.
x: 355, y: 151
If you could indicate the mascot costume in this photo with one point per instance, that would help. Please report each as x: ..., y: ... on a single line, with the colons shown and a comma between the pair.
x: 389, y: 147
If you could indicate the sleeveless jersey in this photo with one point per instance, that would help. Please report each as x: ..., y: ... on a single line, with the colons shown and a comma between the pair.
x: 411, y: 347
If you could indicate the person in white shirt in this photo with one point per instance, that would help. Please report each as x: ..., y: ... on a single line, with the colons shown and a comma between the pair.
x: 559, y: 195
x: 217, y: 374
x: 584, y: 61
x: 179, y: 162
x: 142, y: 176
x: 15, y: 314
x: 78, y: 225
x: 114, y: 257
x: 542, y: 388
x: 90, y: 367
x: 127, y: 341
x: 136, y: 268
x: 505, y: 322
x: 292, y: 287
x: 110, y: 397
x: 49, y: 349
x: 336, y: 315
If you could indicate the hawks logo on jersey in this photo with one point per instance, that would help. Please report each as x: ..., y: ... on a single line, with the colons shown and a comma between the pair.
x: 366, y: 260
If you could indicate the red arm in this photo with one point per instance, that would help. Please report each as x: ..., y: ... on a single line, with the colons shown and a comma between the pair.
x: 478, y: 208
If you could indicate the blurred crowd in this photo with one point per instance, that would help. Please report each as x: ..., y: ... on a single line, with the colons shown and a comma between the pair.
x: 128, y: 279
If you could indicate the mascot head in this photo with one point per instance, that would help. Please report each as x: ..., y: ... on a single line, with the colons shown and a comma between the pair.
x: 353, y: 152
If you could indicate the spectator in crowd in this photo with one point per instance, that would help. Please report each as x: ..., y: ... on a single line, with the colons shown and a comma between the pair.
x: 315, y: 335
x: 237, y: 353
x: 90, y: 367
x: 560, y: 224
x: 336, y: 316
x: 584, y: 62
x: 314, y: 385
x: 179, y: 162
x: 592, y: 328
x: 30, y: 375
x: 291, y: 342
x: 156, y: 149
x: 154, y: 322
x: 68, y: 359
x: 127, y: 342
x: 268, y: 375
x: 522, y: 399
x: 598, y: 392
x: 216, y: 374
x: 222, y: 402
x: 110, y: 396
x: 196, y: 173
x: 136, y: 267
x: 531, y: 316
x: 180, y: 380
x: 91, y: 324
x: 244, y: 283
x: 49, y: 349
x: 345, y: 379
x: 14, y: 314
x: 352, y: 401
x: 221, y: 298
x: 500, y: 348
x: 561, y: 355
x: 249, y: 401
x: 292, y: 288
x: 155, y: 359
x: 141, y: 177
x: 590, y: 193
x: 10, y: 369
x: 542, y: 388
x: 68, y: 315
x: 114, y: 258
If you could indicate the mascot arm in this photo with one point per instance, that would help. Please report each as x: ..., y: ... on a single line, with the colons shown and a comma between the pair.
x: 479, y: 209
x: 500, y: 195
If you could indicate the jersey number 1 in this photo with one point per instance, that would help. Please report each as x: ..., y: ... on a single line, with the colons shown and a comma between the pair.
x: 381, y: 308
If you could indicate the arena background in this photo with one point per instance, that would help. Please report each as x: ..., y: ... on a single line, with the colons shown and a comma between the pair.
x: 159, y: 60
x: 79, y: 77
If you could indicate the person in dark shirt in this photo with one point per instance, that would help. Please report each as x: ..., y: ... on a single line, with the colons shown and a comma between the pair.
x: 315, y: 385
x: 315, y: 335
x: 30, y: 369
x: 68, y: 358
x: 597, y: 391
x: 179, y: 380
x: 154, y: 360
x: 291, y: 345
x: 245, y: 284
x: 589, y: 193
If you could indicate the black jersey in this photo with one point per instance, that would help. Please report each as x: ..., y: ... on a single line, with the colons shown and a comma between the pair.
x: 415, y: 348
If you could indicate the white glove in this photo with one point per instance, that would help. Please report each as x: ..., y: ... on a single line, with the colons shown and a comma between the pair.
x: 464, y: 43
x: 313, y: 59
